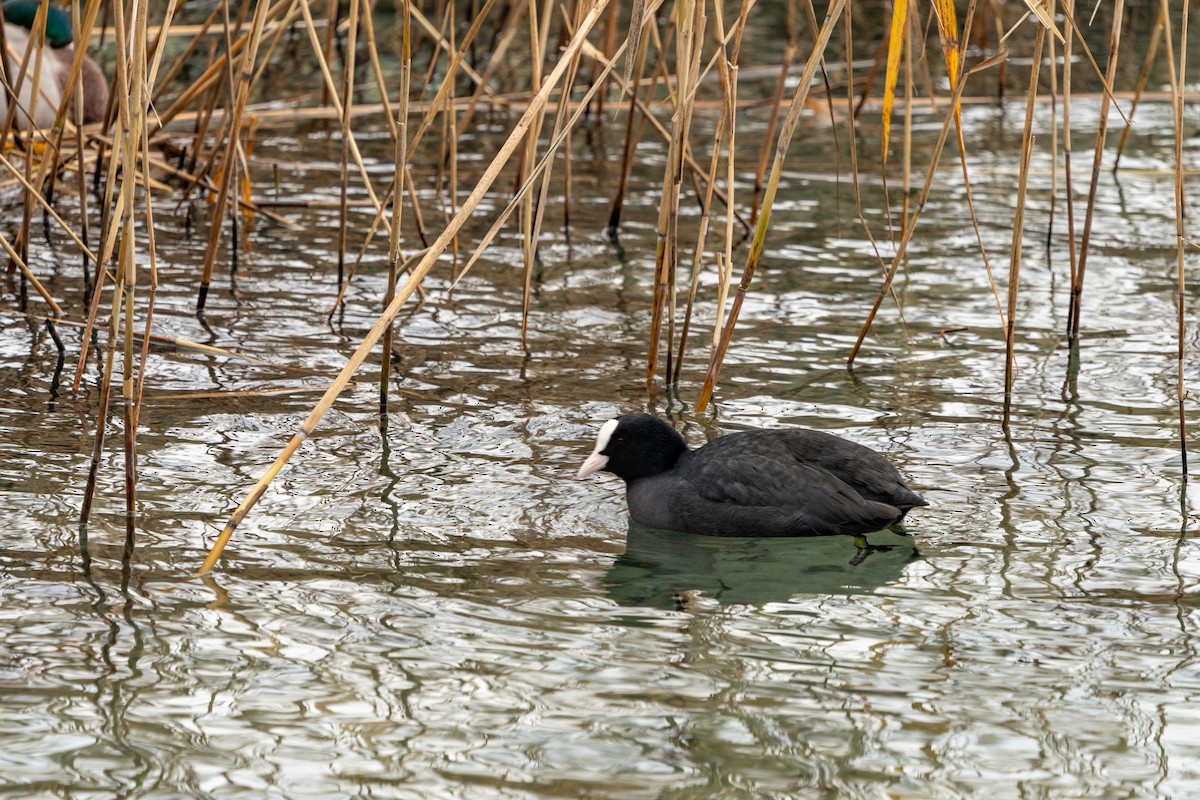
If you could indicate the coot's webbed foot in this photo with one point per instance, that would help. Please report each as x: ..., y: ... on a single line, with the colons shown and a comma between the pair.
x: 865, y: 549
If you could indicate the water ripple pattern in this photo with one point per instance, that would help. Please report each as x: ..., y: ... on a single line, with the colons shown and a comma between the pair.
x: 443, y: 611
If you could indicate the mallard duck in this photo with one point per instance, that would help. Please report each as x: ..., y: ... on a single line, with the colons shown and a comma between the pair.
x: 19, y: 17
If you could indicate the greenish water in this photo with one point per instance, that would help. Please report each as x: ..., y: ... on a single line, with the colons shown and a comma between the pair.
x: 442, y: 611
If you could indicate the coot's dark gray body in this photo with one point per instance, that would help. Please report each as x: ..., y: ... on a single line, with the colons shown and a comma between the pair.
x: 790, y: 482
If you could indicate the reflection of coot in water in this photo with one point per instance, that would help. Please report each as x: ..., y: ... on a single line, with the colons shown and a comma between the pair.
x: 659, y: 566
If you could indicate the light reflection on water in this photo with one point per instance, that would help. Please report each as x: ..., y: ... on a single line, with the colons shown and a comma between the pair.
x: 446, y: 612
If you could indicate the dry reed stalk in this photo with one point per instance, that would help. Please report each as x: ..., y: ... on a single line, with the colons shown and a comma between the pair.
x: 868, y: 82
x: 723, y: 137
x: 689, y: 38
x: 15, y: 257
x: 1014, y: 265
x: 633, y: 134
x: 37, y: 35
x: 646, y: 115
x: 455, y: 54
x: 151, y: 250
x: 37, y: 197
x: 368, y: 17
x: 508, y: 32
x: 434, y: 107
x: 569, y: 25
x: 332, y: 8
x: 234, y: 129
x: 558, y: 132
x: 525, y: 219
x: 400, y: 132
x: 608, y: 45
x: 895, y: 50
x: 725, y: 259
x: 14, y: 84
x: 6, y: 78
x: 49, y: 167
x: 790, y: 47
x: 348, y: 69
x: 760, y: 231
x: 108, y: 210
x: 580, y: 111
x: 1143, y: 78
x: 131, y: 131
x: 633, y: 54
x: 130, y: 83
x: 1102, y: 77
x: 889, y: 86
x: 450, y: 117
x: 948, y: 33
x: 1068, y: 186
x: 537, y: 102
x: 327, y: 75
x: 198, y: 35
x: 906, y: 177
x: 1177, y: 106
x: 1053, y: 60
x: 1118, y: 13
x: 910, y: 227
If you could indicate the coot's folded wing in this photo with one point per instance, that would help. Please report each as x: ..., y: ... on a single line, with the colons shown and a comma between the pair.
x: 867, y: 472
x: 778, y: 496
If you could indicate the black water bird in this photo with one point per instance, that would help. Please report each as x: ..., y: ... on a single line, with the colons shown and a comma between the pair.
x: 790, y: 482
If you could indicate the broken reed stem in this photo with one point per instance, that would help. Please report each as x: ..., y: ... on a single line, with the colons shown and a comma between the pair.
x: 1014, y: 266
x: 536, y: 104
x: 760, y: 232
x: 1118, y: 12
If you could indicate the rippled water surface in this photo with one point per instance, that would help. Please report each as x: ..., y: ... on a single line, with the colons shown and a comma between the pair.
x: 442, y: 610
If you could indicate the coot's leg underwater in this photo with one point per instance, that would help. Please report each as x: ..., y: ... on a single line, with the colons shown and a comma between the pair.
x: 865, y: 549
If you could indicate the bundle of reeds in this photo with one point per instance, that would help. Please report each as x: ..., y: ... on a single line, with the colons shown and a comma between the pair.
x: 188, y: 97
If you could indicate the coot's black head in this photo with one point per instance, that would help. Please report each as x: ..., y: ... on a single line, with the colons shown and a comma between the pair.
x: 634, y: 446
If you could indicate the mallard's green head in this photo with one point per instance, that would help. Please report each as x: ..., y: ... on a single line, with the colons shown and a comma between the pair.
x: 23, y: 13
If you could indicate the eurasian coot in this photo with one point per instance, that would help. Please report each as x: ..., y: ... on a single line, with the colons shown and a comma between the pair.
x: 791, y: 482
